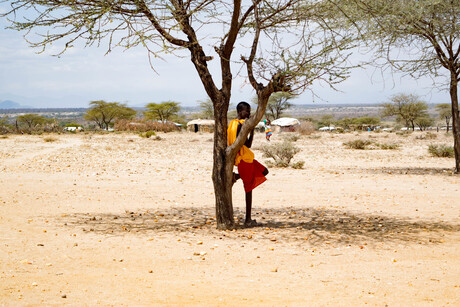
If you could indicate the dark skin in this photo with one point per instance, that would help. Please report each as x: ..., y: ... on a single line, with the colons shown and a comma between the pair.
x: 244, y: 113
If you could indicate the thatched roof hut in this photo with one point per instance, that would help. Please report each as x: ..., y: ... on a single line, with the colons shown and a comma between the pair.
x: 201, y: 125
x: 285, y: 124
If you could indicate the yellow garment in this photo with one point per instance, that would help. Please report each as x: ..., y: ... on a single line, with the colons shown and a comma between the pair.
x: 245, y: 153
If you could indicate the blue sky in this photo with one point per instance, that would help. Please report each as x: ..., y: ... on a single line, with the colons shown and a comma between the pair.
x: 85, y: 74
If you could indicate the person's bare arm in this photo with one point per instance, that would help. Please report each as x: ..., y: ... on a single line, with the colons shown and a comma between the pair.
x: 248, y: 142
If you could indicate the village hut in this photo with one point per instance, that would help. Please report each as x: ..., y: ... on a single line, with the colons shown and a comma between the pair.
x: 285, y: 124
x: 201, y: 125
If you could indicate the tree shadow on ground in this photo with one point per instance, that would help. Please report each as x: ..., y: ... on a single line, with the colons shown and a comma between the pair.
x: 306, y: 225
x: 411, y: 171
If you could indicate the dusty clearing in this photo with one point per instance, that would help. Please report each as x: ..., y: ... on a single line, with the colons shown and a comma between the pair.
x: 125, y: 221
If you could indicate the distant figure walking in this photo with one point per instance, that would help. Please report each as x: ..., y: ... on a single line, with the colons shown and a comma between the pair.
x: 251, y: 172
x: 268, y: 129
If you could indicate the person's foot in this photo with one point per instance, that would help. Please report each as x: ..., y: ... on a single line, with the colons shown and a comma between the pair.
x: 251, y: 223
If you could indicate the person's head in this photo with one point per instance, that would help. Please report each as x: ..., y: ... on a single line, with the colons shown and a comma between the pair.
x: 243, y: 109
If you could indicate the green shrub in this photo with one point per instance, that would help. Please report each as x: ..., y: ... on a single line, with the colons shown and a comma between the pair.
x: 404, y: 133
x: 49, y: 139
x: 148, y: 134
x: 387, y: 146
x: 427, y: 136
x: 442, y: 151
x: 306, y: 128
x: 292, y: 137
x: 298, y: 165
x: 281, y: 153
x: 358, y: 144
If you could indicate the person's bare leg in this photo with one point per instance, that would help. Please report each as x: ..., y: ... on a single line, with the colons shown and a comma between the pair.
x: 265, y: 172
x: 235, y: 177
x: 249, y: 222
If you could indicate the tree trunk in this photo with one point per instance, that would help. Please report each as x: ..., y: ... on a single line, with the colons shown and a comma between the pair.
x: 455, y: 119
x: 222, y: 172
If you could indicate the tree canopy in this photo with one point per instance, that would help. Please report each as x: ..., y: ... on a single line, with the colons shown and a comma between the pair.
x: 164, y: 111
x: 445, y: 112
x: 417, y: 37
x: 207, y: 109
x: 105, y: 113
x: 277, y: 45
x: 32, y: 120
x: 407, y: 109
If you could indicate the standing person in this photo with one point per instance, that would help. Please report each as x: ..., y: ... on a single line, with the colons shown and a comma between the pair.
x: 251, y: 172
x: 268, y: 129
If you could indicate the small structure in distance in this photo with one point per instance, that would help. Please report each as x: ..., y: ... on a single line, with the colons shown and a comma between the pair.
x: 201, y: 125
x: 285, y: 124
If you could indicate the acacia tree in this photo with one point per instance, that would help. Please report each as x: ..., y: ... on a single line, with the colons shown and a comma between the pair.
x: 292, y: 43
x: 105, y: 113
x: 207, y: 109
x: 428, y: 30
x: 31, y: 120
x: 406, y: 108
x: 445, y: 112
x: 162, y: 111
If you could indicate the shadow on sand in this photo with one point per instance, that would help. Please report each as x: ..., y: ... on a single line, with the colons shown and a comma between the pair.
x: 411, y: 171
x: 304, y: 225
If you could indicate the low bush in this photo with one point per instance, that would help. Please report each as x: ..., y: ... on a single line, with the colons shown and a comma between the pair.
x: 50, y: 139
x: 298, y: 165
x: 281, y: 153
x: 387, y: 146
x: 404, y: 133
x: 292, y: 137
x: 427, y: 136
x: 306, y: 128
x: 141, y: 126
x: 442, y: 151
x: 358, y: 144
x: 148, y: 134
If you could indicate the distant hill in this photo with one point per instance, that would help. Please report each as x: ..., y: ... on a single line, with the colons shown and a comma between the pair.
x: 8, y: 104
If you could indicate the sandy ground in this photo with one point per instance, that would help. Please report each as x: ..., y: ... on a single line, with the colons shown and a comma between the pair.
x: 127, y: 221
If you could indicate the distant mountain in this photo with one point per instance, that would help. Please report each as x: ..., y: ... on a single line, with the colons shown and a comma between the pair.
x: 8, y: 104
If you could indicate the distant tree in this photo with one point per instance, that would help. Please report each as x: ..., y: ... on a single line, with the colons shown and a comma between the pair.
x: 31, y: 120
x: 326, y: 121
x: 3, y: 121
x: 445, y: 112
x: 162, y: 111
x: 406, y: 108
x: 104, y: 113
x: 366, y: 120
x: 424, y: 122
x: 428, y: 30
x: 283, y: 46
x: 277, y: 104
x: 346, y: 122
x: 73, y: 125
x: 207, y: 109
x: 358, y: 122
x: 4, y: 125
